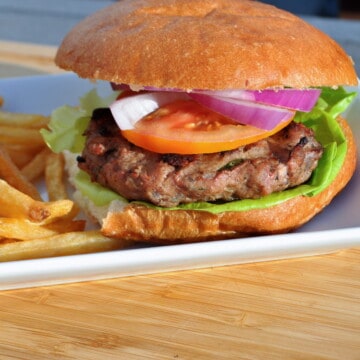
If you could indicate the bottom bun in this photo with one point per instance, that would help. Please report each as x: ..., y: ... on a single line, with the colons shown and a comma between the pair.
x: 140, y: 223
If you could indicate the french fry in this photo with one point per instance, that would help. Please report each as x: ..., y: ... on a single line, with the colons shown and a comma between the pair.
x: 21, y: 229
x: 58, y: 245
x: 15, y: 204
x: 21, y: 155
x: 32, y: 121
x: 29, y: 226
x: 7, y: 241
x: 54, y: 177
x: 36, y: 166
x: 18, y: 135
x: 11, y: 173
x: 32, y: 149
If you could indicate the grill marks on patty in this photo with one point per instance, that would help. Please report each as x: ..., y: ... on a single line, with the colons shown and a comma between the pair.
x: 281, y: 161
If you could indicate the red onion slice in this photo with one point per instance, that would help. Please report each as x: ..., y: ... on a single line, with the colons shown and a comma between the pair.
x: 301, y: 100
x: 294, y: 99
x: 128, y: 111
x: 245, y: 112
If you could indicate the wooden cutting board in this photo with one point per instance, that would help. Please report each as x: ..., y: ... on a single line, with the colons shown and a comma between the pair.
x: 296, y: 309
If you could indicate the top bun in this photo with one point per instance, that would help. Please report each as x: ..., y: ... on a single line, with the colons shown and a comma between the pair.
x: 203, y: 44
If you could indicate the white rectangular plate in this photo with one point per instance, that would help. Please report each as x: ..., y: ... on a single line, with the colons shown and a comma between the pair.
x: 336, y: 228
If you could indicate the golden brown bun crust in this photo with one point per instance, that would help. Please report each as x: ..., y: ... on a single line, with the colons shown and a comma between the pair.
x: 204, y: 44
x: 166, y: 227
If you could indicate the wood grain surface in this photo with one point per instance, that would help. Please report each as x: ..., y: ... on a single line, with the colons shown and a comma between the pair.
x: 295, y: 309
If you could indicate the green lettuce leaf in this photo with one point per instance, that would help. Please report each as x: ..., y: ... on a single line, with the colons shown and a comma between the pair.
x: 68, y: 123
x: 63, y: 135
x: 98, y: 194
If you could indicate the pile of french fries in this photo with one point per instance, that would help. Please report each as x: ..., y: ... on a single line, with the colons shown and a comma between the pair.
x: 34, y: 225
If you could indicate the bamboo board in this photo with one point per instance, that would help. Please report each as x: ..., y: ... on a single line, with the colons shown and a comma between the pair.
x: 296, y: 309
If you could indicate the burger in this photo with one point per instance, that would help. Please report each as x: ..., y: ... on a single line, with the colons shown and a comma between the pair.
x: 224, y: 120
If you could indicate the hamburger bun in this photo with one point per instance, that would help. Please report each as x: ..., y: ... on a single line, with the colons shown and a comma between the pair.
x: 213, y: 45
x: 203, y: 44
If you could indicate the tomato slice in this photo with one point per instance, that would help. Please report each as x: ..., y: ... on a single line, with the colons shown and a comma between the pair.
x: 186, y: 127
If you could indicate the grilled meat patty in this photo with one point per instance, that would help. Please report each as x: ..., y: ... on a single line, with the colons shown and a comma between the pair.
x: 281, y: 161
